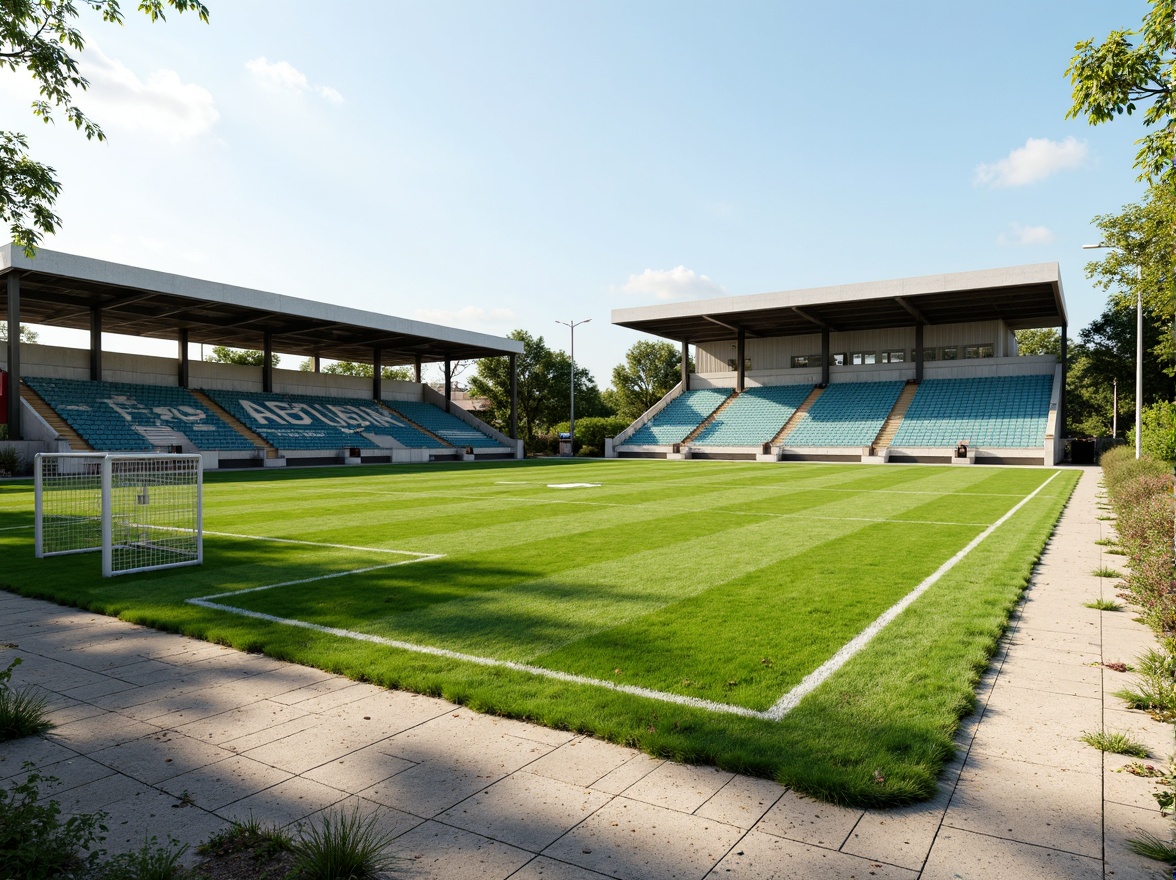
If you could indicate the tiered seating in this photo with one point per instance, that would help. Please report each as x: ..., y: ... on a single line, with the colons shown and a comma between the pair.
x: 754, y: 417
x: 681, y: 416
x: 994, y: 411
x: 106, y: 414
x: 846, y: 414
x: 311, y: 422
x: 445, y: 425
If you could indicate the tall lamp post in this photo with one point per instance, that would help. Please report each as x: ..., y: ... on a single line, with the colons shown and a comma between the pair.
x: 572, y: 325
x: 1138, y: 343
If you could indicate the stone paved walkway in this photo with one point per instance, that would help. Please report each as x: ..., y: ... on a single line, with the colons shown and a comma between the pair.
x: 175, y: 736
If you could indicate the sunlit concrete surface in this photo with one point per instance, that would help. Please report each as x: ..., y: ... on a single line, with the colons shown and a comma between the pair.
x: 172, y: 736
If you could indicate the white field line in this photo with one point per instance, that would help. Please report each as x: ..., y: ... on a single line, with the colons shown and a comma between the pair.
x: 776, y: 713
x: 321, y: 544
x: 14, y: 528
x: 814, y: 679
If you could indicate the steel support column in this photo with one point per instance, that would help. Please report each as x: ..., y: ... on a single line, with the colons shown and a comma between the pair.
x: 685, y: 365
x: 919, y: 352
x: 267, y: 363
x: 95, y: 343
x: 740, y: 360
x: 377, y: 372
x: 514, y: 397
x: 416, y: 369
x: 14, y: 432
x: 448, y: 382
x: 825, y: 357
x: 1061, y: 420
x: 184, y: 370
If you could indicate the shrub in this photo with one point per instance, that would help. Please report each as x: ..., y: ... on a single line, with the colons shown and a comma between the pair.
x: 11, y: 462
x: 36, y: 845
x: 150, y: 862
x: 1159, y: 431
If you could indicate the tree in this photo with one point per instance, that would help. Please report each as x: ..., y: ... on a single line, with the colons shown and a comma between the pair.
x: 41, y: 38
x: 27, y: 334
x: 1116, y: 75
x: 354, y: 368
x: 1046, y: 340
x: 650, y: 370
x: 222, y: 354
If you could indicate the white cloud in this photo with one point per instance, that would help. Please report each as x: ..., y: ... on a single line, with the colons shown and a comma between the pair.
x: 282, y: 76
x: 162, y: 104
x: 1037, y: 160
x: 1026, y: 235
x: 465, y: 316
x: 676, y: 283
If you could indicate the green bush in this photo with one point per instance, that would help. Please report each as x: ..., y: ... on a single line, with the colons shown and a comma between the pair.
x: 11, y: 462
x: 591, y: 431
x: 1159, y: 431
x: 22, y: 710
x: 36, y: 845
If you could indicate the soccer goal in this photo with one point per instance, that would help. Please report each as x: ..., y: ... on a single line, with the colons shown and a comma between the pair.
x: 143, y: 511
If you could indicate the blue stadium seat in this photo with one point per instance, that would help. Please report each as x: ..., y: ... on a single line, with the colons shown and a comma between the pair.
x: 846, y: 414
x: 993, y: 411
x: 106, y: 414
x: 681, y: 416
x: 754, y: 417
x: 446, y: 426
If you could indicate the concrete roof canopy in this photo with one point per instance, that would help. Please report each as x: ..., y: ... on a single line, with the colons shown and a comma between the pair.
x: 1022, y: 296
x: 60, y: 290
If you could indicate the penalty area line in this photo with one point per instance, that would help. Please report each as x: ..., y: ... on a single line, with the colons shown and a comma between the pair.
x: 818, y: 676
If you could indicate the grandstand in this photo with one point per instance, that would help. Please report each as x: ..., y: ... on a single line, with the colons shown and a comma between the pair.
x: 905, y: 370
x: 60, y: 399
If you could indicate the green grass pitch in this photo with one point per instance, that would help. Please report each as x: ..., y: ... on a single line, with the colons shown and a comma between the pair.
x: 673, y: 606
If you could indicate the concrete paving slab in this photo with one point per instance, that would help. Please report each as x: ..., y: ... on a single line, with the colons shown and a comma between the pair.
x: 900, y: 837
x: 1121, y: 787
x: 433, y: 851
x: 236, y: 723
x: 1031, y: 803
x: 963, y: 855
x: 225, y: 782
x: 810, y: 821
x: 159, y: 756
x: 543, y: 868
x: 767, y: 857
x: 359, y: 770
x: 582, y: 761
x: 679, y: 787
x: 431, y: 788
x: 100, y: 732
x: 387, y: 822
x: 284, y: 804
x: 638, y: 841
x: 313, y: 747
x: 1124, y: 823
x: 98, y: 794
x: 68, y: 774
x: 631, y: 772
x: 742, y: 801
x: 452, y: 737
x: 133, y: 821
x: 525, y: 810
x: 36, y: 749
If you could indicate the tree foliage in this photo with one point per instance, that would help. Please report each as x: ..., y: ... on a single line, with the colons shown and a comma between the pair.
x: 43, y: 39
x: 27, y: 334
x: 354, y: 368
x: 1047, y: 340
x: 246, y: 357
x: 1126, y: 70
x: 650, y: 370
x: 544, y: 385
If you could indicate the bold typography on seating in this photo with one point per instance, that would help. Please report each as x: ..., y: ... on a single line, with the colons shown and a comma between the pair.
x: 281, y: 412
x: 130, y: 409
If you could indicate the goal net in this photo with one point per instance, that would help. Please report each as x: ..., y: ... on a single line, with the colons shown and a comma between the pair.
x: 143, y: 511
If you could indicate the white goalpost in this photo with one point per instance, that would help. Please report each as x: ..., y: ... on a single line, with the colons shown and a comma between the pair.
x: 143, y: 511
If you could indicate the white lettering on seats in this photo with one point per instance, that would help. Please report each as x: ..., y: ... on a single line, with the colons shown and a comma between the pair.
x: 260, y: 414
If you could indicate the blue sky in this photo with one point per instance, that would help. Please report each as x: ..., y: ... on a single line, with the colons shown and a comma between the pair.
x: 503, y: 165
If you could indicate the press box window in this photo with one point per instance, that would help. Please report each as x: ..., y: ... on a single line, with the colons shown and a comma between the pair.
x: 806, y: 360
x: 864, y: 357
x: 732, y: 364
x: 893, y: 357
x: 950, y: 353
x: 928, y: 354
x: 978, y: 351
x: 840, y: 359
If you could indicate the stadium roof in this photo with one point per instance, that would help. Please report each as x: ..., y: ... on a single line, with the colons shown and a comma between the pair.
x: 1021, y: 296
x: 59, y: 290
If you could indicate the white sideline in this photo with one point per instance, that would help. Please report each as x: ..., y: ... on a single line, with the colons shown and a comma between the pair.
x: 777, y: 712
x: 814, y: 679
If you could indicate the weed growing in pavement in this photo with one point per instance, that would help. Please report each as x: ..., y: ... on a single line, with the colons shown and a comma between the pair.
x: 1119, y: 743
x: 1155, y: 690
x: 1104, y: 605
x: 22, y: 710
x: 341, y: 844
x: 150, y: 862
x: 1103, y: 572
x: 35, y: 844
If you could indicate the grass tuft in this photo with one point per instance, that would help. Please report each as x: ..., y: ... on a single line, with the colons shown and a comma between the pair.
x: 251, y: 835
x: 1104, y: 605
x: 1119, y: 743
x: 1104, y: 572
x: 150, y: 862
x: 22, y: 710
x: 341, y: 845
x: 1151, y: 847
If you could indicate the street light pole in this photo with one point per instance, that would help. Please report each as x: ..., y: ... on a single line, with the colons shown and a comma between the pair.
x: 572, y: 325
x: 1138, y: 343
